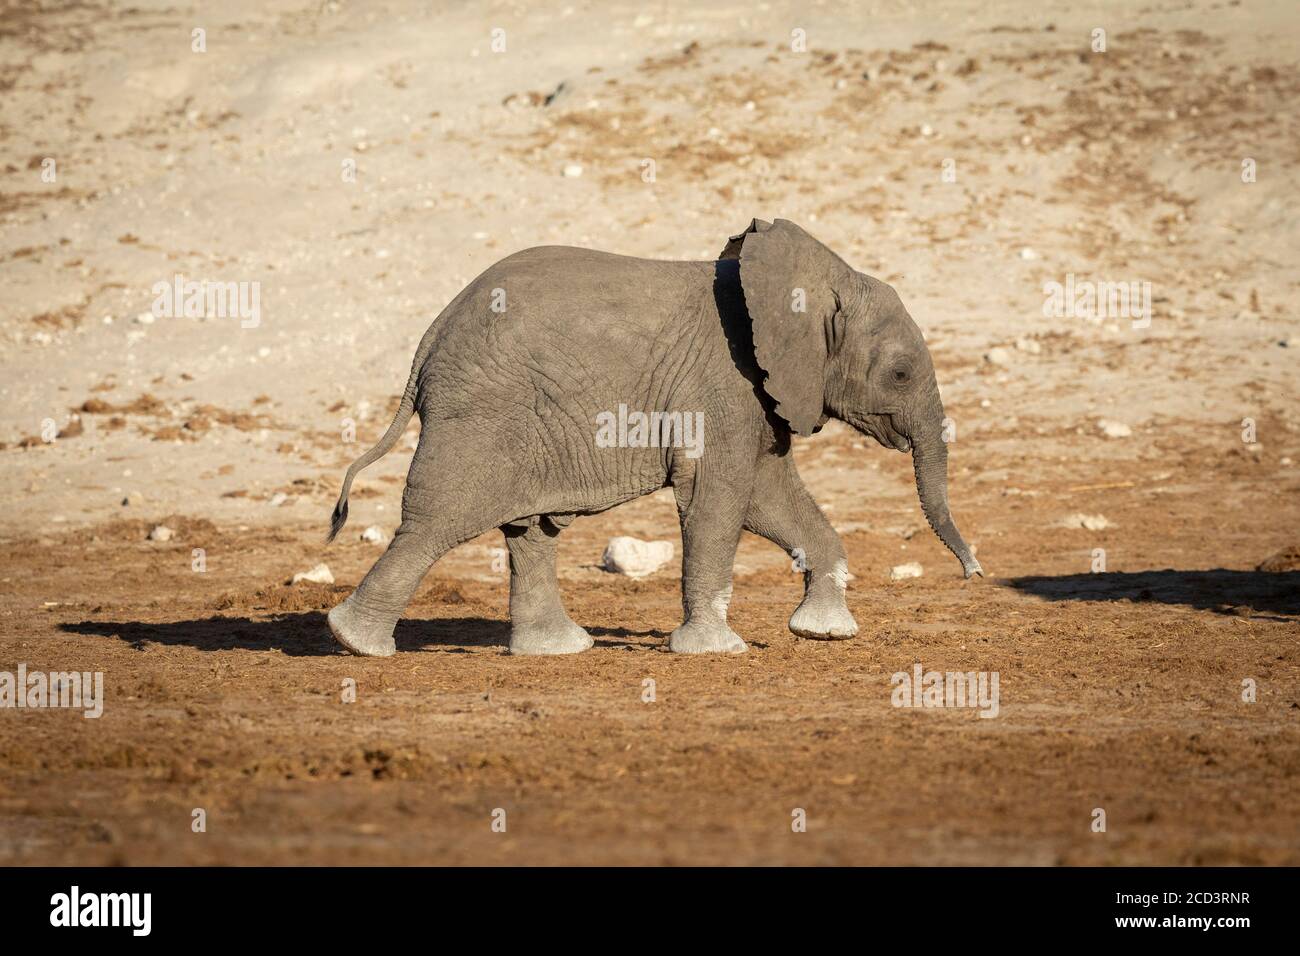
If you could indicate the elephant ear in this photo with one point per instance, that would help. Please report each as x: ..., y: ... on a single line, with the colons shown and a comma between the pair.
x: 734, y: 244
x: 790, y: 281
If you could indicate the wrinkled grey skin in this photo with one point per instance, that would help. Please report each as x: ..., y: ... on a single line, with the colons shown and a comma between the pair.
x: 508, y: 403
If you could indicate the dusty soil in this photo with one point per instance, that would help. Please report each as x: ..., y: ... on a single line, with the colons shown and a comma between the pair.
x: 1120, y: 690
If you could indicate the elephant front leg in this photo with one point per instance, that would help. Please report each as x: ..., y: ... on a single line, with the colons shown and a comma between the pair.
x: 710, y: 534
x: 783, y: 512
x: 538, y: 622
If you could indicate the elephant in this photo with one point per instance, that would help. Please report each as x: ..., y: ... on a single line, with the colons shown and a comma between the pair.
x: 518, y: 376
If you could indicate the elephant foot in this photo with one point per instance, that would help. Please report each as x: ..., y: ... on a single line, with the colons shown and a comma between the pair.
x: 360, y: 635
x: 710, y: 638
x: 823, y: 619
x: 557, y: 635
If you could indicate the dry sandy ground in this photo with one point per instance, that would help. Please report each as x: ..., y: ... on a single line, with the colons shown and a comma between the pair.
x: 1121, y: 691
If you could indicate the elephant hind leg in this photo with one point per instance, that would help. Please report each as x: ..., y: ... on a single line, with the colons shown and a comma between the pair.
x: 437, y: 514
x: 538, y: 621
x: 364, y: 622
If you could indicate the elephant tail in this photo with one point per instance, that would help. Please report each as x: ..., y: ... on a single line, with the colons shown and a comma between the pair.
x: 404, y: 412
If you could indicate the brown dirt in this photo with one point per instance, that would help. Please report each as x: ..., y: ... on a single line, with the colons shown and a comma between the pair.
x: 1120, y: 691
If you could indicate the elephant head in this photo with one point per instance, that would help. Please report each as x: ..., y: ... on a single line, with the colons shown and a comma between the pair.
x: 836, y: 343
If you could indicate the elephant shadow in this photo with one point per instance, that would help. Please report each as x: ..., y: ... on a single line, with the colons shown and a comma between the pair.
x: 306, y: 634
x: 1241, y: 593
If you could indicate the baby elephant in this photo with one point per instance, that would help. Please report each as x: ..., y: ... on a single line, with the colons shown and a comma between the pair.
x: 564, y: 381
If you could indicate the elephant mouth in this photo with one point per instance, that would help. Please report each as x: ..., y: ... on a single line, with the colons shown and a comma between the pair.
x: 881, y: 428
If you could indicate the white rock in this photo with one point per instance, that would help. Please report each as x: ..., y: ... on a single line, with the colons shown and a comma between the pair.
x: 572, y: 171
x: 1087, y: 522
x: 317, y: 575
x: 1026, y: 344
x: 901, y: 572
x: 161, y: 533
x: 1114, y: 429
x: 133, y: 500
x: 374, y: 535
x: 145, y: 318
x: 998, y: 356
x: 278, y: 499
x: 1028, y: 254
x: 634, y: 557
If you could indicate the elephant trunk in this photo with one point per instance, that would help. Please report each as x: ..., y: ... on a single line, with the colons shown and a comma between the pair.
x: 930, y: 465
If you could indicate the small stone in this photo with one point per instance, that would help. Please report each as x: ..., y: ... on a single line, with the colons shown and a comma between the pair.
x: 901, y: 572
x: 1288, y: 559
x: 1028, y: 254
x: 374, y: 535
x: 998, y: 356
x: 1114, y: 429
x: 572, y: 171
x: 145, y: 318
x: 1026, y: 344
x: 1087, y: 522
x: 161, y: 533
x: 133, y: 500
x: 634, y: 557
x: 278, y: 499
x: 317, y: 575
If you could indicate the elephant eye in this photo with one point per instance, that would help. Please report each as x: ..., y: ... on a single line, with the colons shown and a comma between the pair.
x: 900, y: 375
